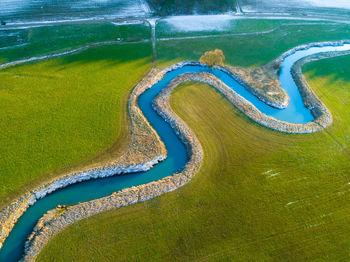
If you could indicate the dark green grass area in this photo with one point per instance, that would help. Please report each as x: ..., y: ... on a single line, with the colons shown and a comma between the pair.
x: 23, y: 43
x: 65, y: 112
x: 177, y: 7
x: 250, y: 50
x: 166, y: 29
x: 260, y: 195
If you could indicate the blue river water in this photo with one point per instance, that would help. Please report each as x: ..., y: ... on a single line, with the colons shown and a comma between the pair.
x: 177, y: 157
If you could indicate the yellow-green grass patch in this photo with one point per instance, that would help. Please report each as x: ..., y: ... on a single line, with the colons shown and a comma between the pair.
x: 260, y: 195
x: 66, y: 112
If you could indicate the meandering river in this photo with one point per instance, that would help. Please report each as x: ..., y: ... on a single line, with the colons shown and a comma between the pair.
x: 177, y: 158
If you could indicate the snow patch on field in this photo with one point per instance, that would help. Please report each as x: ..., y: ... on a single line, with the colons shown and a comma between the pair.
x: 269, y: 173
x: 12, y: 6
x: 274, y: 174
x: 24, y: 11
x: 292, y: 202
x: 200, y: 22
x: 333, y: 3
x: 276, y: 5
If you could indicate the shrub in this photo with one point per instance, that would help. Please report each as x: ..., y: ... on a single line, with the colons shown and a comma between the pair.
x: 213, y: 58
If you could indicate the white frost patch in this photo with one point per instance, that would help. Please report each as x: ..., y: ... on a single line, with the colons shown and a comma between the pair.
x: 200, y: 22
x: 274, y: 174
x: 266, y: 5
x: 24, y: 11
x: 249, y: 8
x: 145, y: 6
x: 314, y: 225
x: 269, y: 174
x: 328, y: 3
x: 292, y: 202
x: 12, y: 6
x: 128, y: 22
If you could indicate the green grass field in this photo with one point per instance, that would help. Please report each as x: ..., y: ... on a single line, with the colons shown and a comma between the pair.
x: 24, y: 43
x: 166, y: 28
x: 66, y: 112
x: 250, y: 50
x: 171, y: 7
x: 260, y: 195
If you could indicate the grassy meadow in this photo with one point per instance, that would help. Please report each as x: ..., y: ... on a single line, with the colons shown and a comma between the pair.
x: 65, y: 112
x: 334, y: 74
x: 250, y: 50
x: 178, y: 28
x: 23, y: 43
x: 260, y: 195
x: 171, y: 7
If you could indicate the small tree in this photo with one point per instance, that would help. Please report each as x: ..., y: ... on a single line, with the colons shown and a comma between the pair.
x: 213, y: 58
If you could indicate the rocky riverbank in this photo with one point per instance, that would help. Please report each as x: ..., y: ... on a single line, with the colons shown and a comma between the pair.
x: 146, y: 148
x: 323, y: 116
x: 263, y: 82
x: 56, y: 220
x: 279, y: 59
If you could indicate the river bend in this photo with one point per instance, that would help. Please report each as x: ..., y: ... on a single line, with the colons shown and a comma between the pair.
x: 177, y: 157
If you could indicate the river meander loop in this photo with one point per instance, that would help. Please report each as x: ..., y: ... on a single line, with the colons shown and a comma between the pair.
x: 296, y: 112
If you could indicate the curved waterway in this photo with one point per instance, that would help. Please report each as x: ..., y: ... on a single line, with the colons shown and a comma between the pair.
x: 177, y: 157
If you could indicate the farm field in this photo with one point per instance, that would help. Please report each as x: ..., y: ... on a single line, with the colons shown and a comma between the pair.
x: 246, y: 50
x: 28, y: 11
x: 124, y: 58
x: 215, y: 25
x: 169, y: 7
x: 260, y: 195
x: 65, y: 112
x: 320, y: 8
x: 16, y: 44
